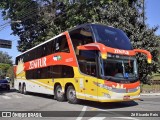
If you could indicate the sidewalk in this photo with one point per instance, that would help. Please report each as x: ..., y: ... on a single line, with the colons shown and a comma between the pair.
x: 151, y: 94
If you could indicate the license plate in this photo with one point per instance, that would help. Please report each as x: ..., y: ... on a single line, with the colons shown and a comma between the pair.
x: 127, y: 97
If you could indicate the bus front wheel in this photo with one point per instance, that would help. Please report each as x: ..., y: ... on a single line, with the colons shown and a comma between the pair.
x: 59, y: 95
x: 71, y: 95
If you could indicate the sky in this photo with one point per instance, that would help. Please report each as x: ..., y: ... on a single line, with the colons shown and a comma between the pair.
x: 152, y: 10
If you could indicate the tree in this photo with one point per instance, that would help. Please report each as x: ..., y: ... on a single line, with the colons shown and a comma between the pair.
x: 57, y: 16
x: 3, y: 69
x: 5, y: 58
x: 5, y: 63
x: 131, y: 21
x: 10, y: 74
x: 31, y: 26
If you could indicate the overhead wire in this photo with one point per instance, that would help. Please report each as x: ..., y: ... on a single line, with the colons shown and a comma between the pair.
x: 6, y: 24
x: 30, y: 14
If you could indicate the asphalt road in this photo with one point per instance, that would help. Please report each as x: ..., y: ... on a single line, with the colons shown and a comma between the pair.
x: 13, y: 101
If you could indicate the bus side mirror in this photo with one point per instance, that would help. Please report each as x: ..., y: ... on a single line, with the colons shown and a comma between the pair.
x: 149, y: 56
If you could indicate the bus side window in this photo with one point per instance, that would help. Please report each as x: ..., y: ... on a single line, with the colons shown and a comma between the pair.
x: 50, y: 47
x: 67, y: 72
x: 87, y: 62
x: 17, y: 60
x: 81, y: 36
x: 39, y: 52
x: 62, y: 44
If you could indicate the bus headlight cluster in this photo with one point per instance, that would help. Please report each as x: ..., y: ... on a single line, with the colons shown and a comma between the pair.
x: 138, y: 87
x: 106, y: 95
x: 104, y: 86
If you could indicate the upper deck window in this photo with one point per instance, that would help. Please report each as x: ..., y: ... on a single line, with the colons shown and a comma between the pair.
x: 111, y: 37
x: 81, y: 36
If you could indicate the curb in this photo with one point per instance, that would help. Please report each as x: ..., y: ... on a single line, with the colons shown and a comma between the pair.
x: 150, y: 94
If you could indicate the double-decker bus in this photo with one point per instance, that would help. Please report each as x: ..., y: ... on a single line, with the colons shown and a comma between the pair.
x: 91, y: 61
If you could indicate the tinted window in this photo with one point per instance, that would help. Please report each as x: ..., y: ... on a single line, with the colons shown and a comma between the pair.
x: 81, y: 36
x: 41, y: 51
x: 111, y: 37
x: 62, y: 44
x: 87, y: 62
x: 58, y: 71
x: 59, y: 44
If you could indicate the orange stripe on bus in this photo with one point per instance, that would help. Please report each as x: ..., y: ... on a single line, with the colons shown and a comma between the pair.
x: 129, y: 85
x: 66, y: 59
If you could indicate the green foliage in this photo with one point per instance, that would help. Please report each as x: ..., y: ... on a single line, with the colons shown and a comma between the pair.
x: 43, y: 19
x: 10, y: 73
x: 5, y: 58
x: 3, y: 69
x: 32, y: 25
x: 5, y: 63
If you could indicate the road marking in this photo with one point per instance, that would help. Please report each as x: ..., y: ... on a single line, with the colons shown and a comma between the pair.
x: 21, y: 95
x: 98, y: 117
x: 82, y: 113
x: 94, y: 109
x: 28, y: 95
x: 6, y: 97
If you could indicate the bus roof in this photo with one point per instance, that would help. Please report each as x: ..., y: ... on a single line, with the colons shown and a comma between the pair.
x: 89, y: 24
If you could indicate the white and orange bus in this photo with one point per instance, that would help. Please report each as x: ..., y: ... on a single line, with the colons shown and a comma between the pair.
x: 91, y: 61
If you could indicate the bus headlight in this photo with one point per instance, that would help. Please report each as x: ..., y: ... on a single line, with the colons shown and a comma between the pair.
x: 109, y: 88
x: 105, y: 87
x: 106, y: 95
x: 138, y: 87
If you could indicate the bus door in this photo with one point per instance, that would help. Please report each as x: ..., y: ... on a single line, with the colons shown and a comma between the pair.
x: 87, y: 66
x: 90, y: 81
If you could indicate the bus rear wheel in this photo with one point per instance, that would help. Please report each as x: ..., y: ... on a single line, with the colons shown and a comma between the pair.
x: 59, y: 95
x: 71, y: 95
x: 20, y: 88
x: 24, y: 89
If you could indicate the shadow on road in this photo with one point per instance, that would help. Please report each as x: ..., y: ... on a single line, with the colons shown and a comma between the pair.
x: 3, y: 92
x: 41, y: 95
x: 108, y: 105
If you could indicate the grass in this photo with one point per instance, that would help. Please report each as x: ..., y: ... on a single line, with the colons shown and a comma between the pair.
x: 145, y: 88
x: 156, y: 76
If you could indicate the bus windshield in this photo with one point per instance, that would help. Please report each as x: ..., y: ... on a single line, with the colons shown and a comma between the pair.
x: 119, y: 69
x: 111, y: 37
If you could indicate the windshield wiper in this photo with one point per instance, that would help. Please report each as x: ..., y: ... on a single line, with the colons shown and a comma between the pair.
x: 107, y: 77
x: 123, y: 69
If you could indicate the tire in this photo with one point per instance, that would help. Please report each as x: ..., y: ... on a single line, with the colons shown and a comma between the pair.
x: 59, y: 95
x: 71, y: 95
x: 24, y: 90
x: 20, y: 89
x: 8, y: 88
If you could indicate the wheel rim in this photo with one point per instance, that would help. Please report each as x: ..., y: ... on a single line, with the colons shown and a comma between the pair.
x: 19, y: 88
x: 24, y: 89
x: 59, y: 92
x: 72, y: 94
